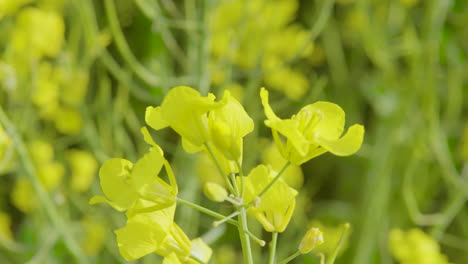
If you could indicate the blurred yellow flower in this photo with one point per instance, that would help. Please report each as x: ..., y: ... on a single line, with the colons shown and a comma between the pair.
x: 68, y: 120
x: 83, y: 167
x: 38, y: 33
x: 276, y: 206
x: 314, y: 130
x: 50, y: 174
x: 415, y: 247
x: 22, y: 196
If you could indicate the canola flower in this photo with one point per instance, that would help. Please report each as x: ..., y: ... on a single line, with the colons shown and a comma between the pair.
x: 217, y: 128
x: 314, y: 130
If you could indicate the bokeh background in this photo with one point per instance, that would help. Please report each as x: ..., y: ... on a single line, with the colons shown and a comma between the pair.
x: 77, y: 75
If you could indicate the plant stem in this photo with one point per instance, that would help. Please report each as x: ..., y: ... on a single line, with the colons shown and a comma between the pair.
x: 277, y: 177
x: 274, y: 241
x: 123, y: 47
x: 221, y: 171
x: 244, y: 236
x: 50, y: 209
x: 205, y: 210
x: 293, y: 256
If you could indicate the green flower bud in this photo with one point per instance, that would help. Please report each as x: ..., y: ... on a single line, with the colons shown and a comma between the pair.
x: 215, y: 192
x: 312, y: 238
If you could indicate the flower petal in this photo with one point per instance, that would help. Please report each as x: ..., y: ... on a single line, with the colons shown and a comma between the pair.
x: 114, y: 176
x: 332, y: 119
x: 346, y: 145
x: 154, y: 118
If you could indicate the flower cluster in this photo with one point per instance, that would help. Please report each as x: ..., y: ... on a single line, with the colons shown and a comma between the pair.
x: 217, y: 128
x: 260, y: 33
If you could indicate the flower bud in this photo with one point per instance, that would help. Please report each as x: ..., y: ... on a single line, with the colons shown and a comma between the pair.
x: 215, y: 192
x: 312, y: 238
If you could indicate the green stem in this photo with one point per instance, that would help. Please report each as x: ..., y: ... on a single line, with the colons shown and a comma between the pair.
x: 241, y: 176
x: 219, y: 216
x: 261, y: 242
x: 123, y: 47
x: 244, y: 236
x: 205, y: 210
x: 50, y: 209
x: 274, y: 241
x: 293, y: 256
x: 221, y: 171
x: 217, y: 223
x: 277, y: 177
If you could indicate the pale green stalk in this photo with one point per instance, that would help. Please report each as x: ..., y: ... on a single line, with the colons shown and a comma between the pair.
x: 293, y: 256
x: 221, y: 171
x: 277, y: 177
x: 274, y: 241
x: 123, y: 47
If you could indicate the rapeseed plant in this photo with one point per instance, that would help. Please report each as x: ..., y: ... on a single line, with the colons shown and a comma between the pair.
x: 217, y: 128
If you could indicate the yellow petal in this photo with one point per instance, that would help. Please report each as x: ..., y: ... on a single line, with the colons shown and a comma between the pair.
x: 229, y: 124
x: 346, y: 145
x: 154, y: 118
x: 139, y: 237
x: 115, y: 182
x: 287, y: 127
x: 147, y: 136
x: 331, y: 122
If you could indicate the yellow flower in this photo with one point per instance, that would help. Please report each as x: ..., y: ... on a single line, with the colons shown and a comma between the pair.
x: 228, y: 125
x: 276, y: 206
x: 146, y: 233
x: 22, y: 196
x: 314, y: 130
x: 68, y: 120
x: 83, y: 167
x: 415, y: 247
x: 38, y: 32
x: 50, y: 174
x: 185, y: 111
x: 126, y: 184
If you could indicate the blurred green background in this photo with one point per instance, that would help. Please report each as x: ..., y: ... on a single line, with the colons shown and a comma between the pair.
x: 77, y: 75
